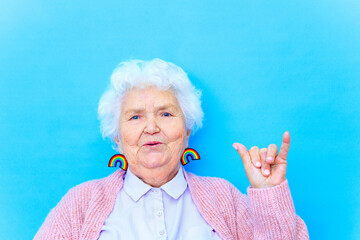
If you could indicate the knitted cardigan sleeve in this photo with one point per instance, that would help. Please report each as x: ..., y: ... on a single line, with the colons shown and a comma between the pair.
x: 268, y: 214
x: 59, y: 223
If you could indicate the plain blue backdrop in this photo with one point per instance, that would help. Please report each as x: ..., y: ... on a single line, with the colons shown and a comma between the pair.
x: 264, y: 67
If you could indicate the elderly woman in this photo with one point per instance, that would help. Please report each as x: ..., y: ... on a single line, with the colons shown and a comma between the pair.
x: 149, y: 112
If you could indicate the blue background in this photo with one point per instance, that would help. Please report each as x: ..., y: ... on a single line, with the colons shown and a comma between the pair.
x: 264, y: 67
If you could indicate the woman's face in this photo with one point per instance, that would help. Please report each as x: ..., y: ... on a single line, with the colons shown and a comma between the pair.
x: 152, y: 130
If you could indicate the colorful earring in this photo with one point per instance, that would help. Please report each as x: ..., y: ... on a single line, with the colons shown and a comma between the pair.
x: 189, y: 154
x: 118, y: 158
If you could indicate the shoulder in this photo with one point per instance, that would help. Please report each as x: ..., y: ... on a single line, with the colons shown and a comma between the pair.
x: 88, y: 197
x: 86, y: 191
x: 207, y: 180
x: 211, y: 184
x: 216, y: 196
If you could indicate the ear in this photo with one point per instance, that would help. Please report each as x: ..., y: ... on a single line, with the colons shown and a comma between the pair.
x: 118, y: 142
x: 188, y: 132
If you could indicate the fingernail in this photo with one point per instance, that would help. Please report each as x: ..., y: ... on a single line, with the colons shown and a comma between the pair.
x: 267, y: 172
x: 258, y: 164
x: 235, y: 146
x: 269, y: 159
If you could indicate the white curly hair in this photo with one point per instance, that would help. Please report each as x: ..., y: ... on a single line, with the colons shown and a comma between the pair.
x: 141, y: 74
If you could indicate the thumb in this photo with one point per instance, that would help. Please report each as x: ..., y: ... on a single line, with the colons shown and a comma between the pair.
x: 243, y: 152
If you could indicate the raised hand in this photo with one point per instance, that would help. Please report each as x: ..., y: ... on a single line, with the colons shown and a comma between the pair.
x: 265, y: 168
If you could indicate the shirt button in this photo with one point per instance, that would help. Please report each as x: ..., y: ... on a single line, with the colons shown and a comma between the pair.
x: 162, y: 232
x: 159, y: 213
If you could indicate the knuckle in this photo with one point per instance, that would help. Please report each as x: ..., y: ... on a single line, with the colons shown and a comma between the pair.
x: 254, y: 156
x: 273, y: 146
x: 263, y: 150
x: 254, y: 148
x: 285, y: 151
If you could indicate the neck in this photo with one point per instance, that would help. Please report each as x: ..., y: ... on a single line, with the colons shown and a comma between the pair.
x: 156, y: 177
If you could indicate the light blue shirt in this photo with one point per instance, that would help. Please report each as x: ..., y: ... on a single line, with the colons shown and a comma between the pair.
x: 142, y: 212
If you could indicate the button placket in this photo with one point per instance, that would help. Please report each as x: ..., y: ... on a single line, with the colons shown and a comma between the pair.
x: 159, y: 213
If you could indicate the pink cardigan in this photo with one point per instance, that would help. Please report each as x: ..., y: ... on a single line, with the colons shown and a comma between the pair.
x: 263, y: 214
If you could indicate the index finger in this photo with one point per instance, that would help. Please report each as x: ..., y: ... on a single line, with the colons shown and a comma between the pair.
x: 284, y: 149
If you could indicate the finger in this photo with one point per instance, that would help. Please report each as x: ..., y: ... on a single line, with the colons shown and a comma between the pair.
x: 263, y: 153
x: 284, y: 149
x: 244, y: 155
x: 265, y: 169
x: 255, y: 156
x: 271, y: 153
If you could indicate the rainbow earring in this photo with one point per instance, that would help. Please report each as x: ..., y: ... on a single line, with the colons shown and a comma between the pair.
x: 118, y: 158
x: 189, y: 154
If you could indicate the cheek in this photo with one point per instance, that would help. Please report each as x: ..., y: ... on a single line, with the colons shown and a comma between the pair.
x: 130, y: 135
x: 176, y: 134
x: 176, y: 144
x: 176, y: 130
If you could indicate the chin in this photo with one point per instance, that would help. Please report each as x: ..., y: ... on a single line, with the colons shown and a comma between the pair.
x: 154, y: 161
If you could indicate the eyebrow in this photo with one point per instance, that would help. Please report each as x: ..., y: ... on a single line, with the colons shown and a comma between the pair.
x: 161, y: 107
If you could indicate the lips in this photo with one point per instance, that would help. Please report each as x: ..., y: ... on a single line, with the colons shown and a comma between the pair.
x: 152, y: 143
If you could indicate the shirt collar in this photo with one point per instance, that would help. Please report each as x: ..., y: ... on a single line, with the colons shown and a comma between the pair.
x: 177, y: 186
x: 136, y: 188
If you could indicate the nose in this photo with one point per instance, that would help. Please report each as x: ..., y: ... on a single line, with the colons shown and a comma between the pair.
x: 151, y: 126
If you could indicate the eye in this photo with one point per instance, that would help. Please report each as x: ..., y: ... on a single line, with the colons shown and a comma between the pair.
x: 134, y: 117
x: 166, y: 114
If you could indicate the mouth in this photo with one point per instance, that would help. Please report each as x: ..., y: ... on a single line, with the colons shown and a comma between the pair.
x: 152, y: 144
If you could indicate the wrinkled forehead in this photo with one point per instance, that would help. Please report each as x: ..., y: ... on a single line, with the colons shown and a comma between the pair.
x: 149, y: 99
